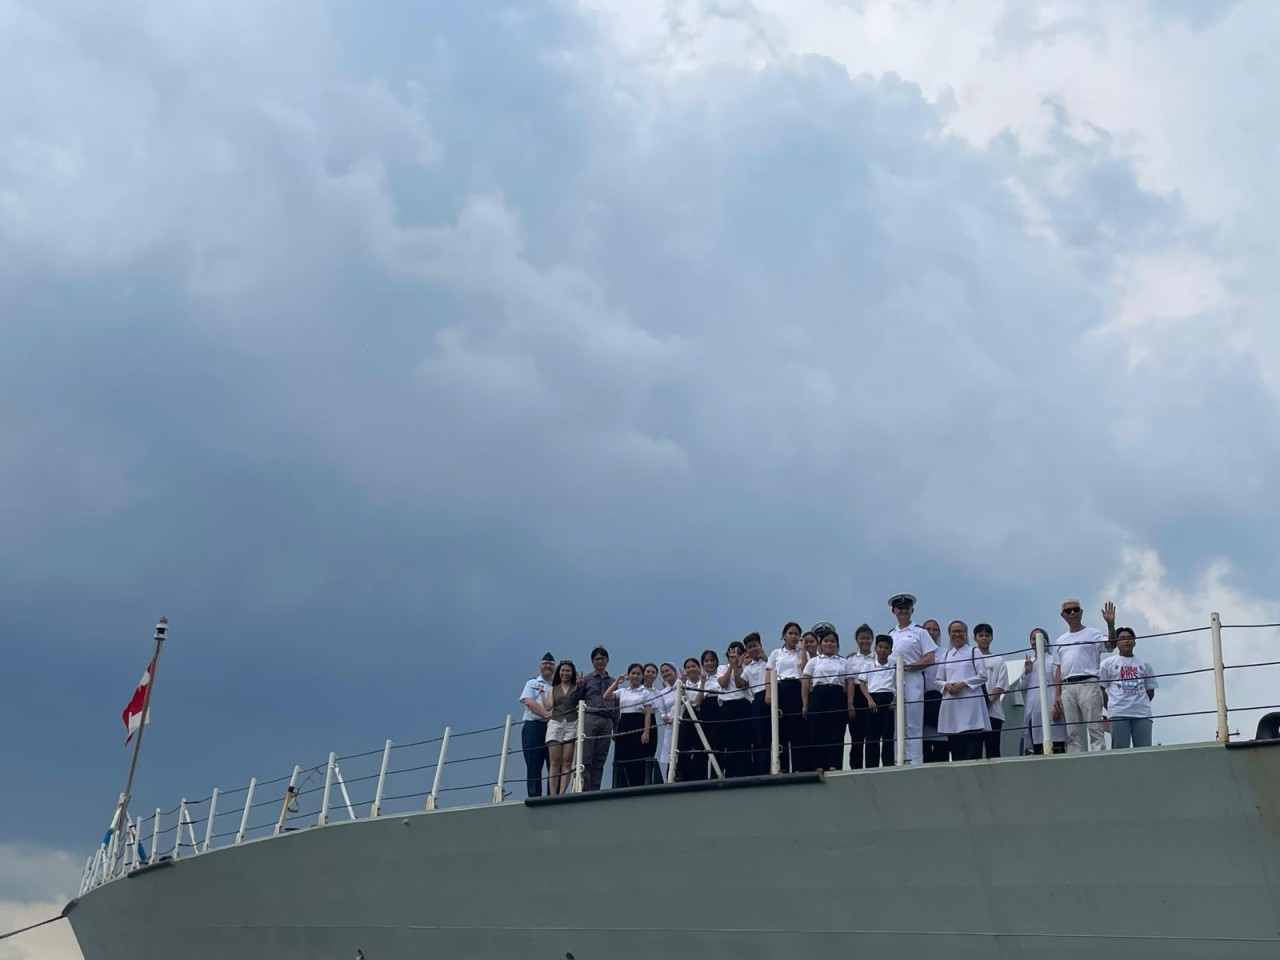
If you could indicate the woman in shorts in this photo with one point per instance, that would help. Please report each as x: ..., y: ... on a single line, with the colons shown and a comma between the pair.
x: 562, y: 728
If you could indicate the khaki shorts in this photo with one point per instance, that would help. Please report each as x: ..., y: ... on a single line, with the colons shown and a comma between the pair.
x: 562, y: 731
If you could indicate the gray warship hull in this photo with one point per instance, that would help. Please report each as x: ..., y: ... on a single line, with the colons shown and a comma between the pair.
x: 1166, y: 852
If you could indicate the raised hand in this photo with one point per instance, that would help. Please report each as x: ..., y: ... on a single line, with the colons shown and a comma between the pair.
x: 1109, y: 612
x: 1026, y: 664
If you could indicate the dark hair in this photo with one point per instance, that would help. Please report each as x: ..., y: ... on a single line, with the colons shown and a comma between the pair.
x: 831, y: 635
x: 788, y: 625
x: 599, y: 652
x: 694, y: 660
x: 865, y: 628
x: 654, y: 665
x: 1129, y: 630
x: 572, y: 669
x: 807, y: 634
x: 709, y: 653
x: 751, y: 638
x: 636, y: 666
x: 983, y: 628
x: 736, y: 645
x: 884, y: 638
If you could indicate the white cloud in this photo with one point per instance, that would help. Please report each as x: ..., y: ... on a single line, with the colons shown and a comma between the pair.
x: 35, y: 884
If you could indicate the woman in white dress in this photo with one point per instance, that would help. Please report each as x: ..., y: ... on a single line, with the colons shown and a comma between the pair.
x: 962, y: 680
x: 664, y: 708
x: 1033, y: 732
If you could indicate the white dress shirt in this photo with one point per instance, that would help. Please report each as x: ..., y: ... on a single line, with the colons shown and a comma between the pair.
x: 786, y: 663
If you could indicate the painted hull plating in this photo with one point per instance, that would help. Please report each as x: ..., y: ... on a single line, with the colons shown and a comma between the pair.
x: 1168, y: 852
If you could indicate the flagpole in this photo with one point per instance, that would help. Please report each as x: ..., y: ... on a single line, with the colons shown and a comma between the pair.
x: 122, y: 808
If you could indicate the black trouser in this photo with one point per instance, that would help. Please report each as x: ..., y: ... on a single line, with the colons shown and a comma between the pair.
x: 793, y: 732
x: 735, y: 738
x: 761, y: 734
x: 709, y: 714
x: 691, y: 760
x: 1059, y: 746
x: 937, y: 751
x: 858, y: 747
x: 991, y: 739
x: 881, y: 732
x: 828, y: 717
x: 966, y: 745
x: 533, y: 741
x: 628, y: 751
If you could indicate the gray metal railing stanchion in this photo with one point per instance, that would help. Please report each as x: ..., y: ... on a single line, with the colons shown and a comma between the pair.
x: 342, y: 786
x: 376, y: 809
x: 1219, y: 678
x: 1042, y: 679
x: 575, y: 784
x: 673, y: 754
x: 775, y: 755
x: 208, y: 827
x: 248, y: 803
x: 289, y: 792
x: 899, y: 714
x: 433, y: 799
x: 502, y: 761
x: 323, y: 817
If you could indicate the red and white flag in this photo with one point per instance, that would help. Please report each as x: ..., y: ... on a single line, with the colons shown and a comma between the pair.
x: 132, y: 715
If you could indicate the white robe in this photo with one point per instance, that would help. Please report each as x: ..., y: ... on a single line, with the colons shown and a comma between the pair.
x: 967, y: 710
x: 664, y: 708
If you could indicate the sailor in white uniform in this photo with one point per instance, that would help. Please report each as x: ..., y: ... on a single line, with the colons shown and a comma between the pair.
x: 962, y: 681
x: 918, y: 651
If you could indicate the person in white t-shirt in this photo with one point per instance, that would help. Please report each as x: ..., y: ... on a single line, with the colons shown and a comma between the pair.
x: 824, y: 690
x: 735, y: 711
x: 754, y: 670
x: 879, y: 680
x: 1080, y: 651
x: 691, y: 757
x: 1128, y: 687
x: 862, y: 656
x: 997, y: 684
x: 786, y: 664
x: 918, y: 651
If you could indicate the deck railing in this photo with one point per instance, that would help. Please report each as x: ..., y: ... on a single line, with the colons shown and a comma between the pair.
x: 395, y: 779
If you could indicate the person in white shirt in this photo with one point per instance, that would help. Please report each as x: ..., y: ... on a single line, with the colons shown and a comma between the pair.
x: 859, y: 747
x: 787, y: 664
x: 1128, y: 687
x: 1033, y: 722
x: 651, y: 748
x: 1080, y: 651
x: 635, y: 727
x: 997, y: 684
x: 691, y: 758
x: 825, y: 697
x: 735, y: 712
x: 761, y: 734
x: 664, y: 708
x: 709, y: 710
x: 962, y: 679
x: 533, y: 726
x: 918, y: 651
x: 878, y: 681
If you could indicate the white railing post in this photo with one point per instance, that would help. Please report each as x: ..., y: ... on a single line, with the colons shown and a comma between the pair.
x: 433, y: 798
x: 191, y: 833
x: 502, y: 761
x: 900, y: 714
x: 673, y: 755
x: 99, y: 859
x: 1042, y: 679
x: 342, y: 785
x: 177, y: 830
x: 130, y: 848
x: 244, y: 817
x: 775, y: 758
x: 1219, y: 678
x: 155, y: 838
x: 323, y: 818
x: 376, y: 809
x: 575, y: 785
x: 706, y: 744
x: 84, y: 876
x: 208, y: 827
x: 290, y: 792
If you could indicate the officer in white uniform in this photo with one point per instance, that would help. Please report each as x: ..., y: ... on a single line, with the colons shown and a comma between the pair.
x: 917, y: 649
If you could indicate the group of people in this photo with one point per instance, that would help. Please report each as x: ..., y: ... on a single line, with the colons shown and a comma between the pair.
x: 952, y: 700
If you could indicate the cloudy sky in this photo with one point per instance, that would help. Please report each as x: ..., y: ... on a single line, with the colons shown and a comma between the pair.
x: 384, y: 347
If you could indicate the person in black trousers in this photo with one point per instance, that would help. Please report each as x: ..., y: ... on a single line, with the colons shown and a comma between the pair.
x: 787, y: 663
x: 825, y: 694
x: 878, y: 681
x: 858, y: 719
x: 761, y: 732
x: 691, y: 759
x: 533, y: 727
x: 735, y: 712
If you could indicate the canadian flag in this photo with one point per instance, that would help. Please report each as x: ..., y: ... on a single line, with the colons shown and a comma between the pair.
x: 132, y: 715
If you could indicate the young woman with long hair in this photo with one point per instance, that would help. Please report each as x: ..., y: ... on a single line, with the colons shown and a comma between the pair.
x: 562, y: 727
x: 634, y: 730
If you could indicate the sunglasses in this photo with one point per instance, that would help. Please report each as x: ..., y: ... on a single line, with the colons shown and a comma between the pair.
x: 1072, y: 610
